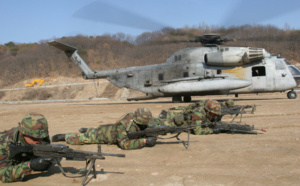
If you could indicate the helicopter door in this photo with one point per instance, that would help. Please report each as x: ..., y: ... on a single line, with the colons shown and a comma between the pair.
x: 259, y: 79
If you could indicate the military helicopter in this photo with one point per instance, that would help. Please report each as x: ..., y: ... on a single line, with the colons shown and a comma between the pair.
x: 210, y: 69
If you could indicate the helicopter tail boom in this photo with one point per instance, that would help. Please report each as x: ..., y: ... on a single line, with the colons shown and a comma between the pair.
x: 71, y: 52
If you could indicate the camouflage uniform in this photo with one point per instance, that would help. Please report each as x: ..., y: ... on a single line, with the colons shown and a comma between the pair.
x: 113, y: 134
x: 185, y: 109
x: 227, y: 104
x: 190, y: 106
x: 195, y: 117
x: 193, y: 106
x: 16, y: 169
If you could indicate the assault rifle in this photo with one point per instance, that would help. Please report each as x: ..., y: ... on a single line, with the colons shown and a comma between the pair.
x: 164, y: 130
x: 222, y: 127
x: 236, y: 110
x: 58, y: 152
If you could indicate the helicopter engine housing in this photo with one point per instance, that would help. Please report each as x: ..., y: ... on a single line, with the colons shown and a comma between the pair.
x: 234, y: 56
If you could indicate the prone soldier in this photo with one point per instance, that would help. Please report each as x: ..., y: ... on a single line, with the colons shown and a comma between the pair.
x: 204, y: 114
x: 228, y: 103
x: 229, y: 108
x: 116, y: 133
x: 33, y: 129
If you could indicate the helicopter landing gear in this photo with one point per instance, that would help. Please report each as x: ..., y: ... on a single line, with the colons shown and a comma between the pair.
x: 292, y: 94
x: 187, y: 99
x: 177, y: 99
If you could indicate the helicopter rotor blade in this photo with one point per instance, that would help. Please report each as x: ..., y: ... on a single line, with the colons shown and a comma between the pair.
x: 254, y: 11
x: 107, y: 13
x: 245, y: 12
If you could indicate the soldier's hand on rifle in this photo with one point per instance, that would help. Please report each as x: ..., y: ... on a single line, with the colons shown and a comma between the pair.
x: 40, y: 163
x: 163, y: 114
x: 151, y: 141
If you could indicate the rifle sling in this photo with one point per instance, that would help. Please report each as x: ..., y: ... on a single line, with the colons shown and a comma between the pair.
x: 185, y: 144
x: 72, y: 175
x: 176, y: 136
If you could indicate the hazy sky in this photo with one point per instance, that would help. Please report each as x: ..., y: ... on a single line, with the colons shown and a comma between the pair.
x: 35, y: 20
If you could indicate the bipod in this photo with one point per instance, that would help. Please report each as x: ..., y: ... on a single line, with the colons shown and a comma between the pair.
x: 185, y: 144
x: 92, y: 165
x: 241, y: 113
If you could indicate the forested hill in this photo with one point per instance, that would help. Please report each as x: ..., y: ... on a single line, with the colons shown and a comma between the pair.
x: 19, y: 62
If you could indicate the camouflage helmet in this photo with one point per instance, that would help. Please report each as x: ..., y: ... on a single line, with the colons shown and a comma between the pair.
x: 34, y: 125
x: 229, y: 103
x: 213, y: 107
x: 142, y: 116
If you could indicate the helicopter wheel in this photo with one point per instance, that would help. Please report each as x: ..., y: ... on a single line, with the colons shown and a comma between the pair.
x: 187, y: 99
x: 292, y: 94
x: 177, y: 99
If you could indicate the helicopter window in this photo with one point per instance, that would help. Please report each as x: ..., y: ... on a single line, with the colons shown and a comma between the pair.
x: 178, y: 58
x: 186, y: 74
x: 294, y: 70
x: 279, y: 65
x: 160, y: 77
x: 287, y: 62
x: 221, y: 49
x: 219, y: 71
x: 226, y: 49
x: 148, y: 83
x: 258, y: 71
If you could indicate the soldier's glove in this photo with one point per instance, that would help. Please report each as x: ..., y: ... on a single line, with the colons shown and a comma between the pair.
x: 163, y: 114
x: 40, y: 163
x: 151, y: 141
x: 219, y: 117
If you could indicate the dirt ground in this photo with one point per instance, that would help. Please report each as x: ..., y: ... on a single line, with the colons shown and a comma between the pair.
x: 271, y: 158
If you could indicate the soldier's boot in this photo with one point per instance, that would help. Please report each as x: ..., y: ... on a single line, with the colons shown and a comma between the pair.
x: 82, y: 130
x: 58, y: 137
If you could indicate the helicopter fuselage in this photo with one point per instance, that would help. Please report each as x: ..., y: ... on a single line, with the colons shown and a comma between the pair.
x: 200, y: 71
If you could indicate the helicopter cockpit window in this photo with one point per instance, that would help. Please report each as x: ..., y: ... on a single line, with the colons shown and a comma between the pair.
x: 186, y: 74
x: 258, y: 71
x: 287, y: 62
x: 224, y: 49
x: 294, y: 70
x: 279, y: 65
